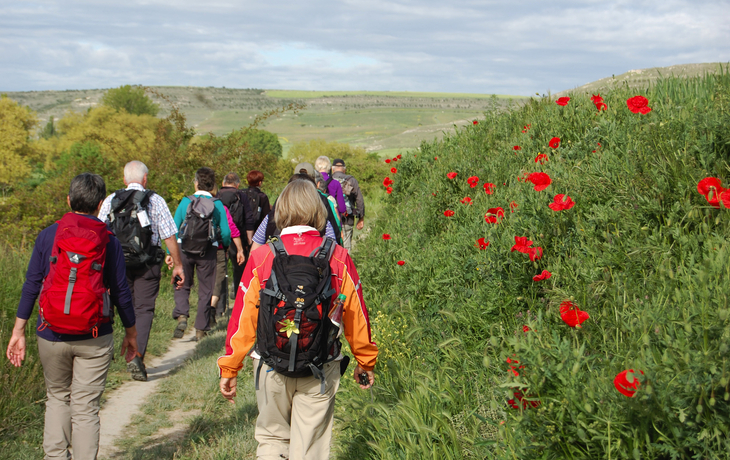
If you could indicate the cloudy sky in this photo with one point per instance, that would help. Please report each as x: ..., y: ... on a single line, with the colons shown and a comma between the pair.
x: 401, y: 45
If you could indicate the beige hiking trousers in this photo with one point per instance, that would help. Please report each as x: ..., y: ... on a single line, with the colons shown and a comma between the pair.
x: 75, y: 374
x: 295, y: 420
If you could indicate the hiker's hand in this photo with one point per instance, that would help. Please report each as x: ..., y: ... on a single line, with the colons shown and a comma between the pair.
x: 228, y: 388
x: 16, y: 346
x: 178, y: 271
x: 168, y: 261
x: 240, y: 258
x: 371, y: 377
x: 360, y: 224
x: 129, y: 344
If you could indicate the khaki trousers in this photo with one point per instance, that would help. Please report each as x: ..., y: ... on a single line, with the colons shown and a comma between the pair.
x: 347, y: 236
x: 295, y: 420
x: 75, y: 374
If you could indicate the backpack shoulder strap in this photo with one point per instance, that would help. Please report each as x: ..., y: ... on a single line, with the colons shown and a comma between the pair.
x: 324, y: 250
x: 277, y: 248
x: 327, y: 183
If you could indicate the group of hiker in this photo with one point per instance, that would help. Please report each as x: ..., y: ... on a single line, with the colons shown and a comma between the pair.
x: 296, y: 291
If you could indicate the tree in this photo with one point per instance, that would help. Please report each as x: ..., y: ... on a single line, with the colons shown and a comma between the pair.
x: 132, y: 99
x: 262, y: 142
x: 16, y: 151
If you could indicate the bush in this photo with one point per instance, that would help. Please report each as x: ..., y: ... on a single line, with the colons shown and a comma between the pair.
x: 470, y: 335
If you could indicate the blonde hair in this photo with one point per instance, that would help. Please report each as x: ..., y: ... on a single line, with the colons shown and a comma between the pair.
x: 323, y: 164
x: 299, y: 204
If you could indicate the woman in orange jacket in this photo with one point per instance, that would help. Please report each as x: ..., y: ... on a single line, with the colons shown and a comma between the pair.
x: 295, y: 412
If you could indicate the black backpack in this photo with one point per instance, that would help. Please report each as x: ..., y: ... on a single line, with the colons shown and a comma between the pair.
x: 124, y: 221
x: 254, y: 201
x: 232, y: 200
x: 295, y: 336
x: 197, y: 232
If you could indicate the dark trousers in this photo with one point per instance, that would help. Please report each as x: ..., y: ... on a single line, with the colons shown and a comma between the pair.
x: 205, y: 266
x: 145, y: 285
x: 237, y: 269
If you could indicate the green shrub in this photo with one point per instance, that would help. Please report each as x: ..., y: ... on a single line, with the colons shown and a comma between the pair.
x: 641, y: 252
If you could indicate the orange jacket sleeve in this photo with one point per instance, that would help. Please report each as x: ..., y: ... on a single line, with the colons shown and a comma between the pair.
x: 355, y: 317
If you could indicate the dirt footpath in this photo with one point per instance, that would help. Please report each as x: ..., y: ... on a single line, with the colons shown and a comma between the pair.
x: 126, y: 401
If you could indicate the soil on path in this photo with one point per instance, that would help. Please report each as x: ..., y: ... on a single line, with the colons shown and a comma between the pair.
x: 126, y: 401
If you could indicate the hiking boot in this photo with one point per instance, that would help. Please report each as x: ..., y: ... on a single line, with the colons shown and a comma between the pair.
x: 182, y: 324
x: 137, y: 369
x: 199, y: 335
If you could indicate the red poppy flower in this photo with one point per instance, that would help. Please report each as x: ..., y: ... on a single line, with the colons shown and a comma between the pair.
x: 554, y: 142
x: 522, y: 244
x: 435, y: 158
x: 596, y: 98
x: 601, y: 106
x: 481, y: 244
x: 451, y: 175
x: 598, y: 143
x: 542, y: 276
x: 386, y: 236
x: 387, y: 160
x: 494, y: 215
x: 489, y: 188
x: 563, y: 101
x: 524, y: 131
x: 395, y: 159
x: 472, y: 181
x: 399, y: 156
x: 541, y: 158
x: 393, y: 170
x: 401, y: 262
x: 638, y: 104
x: 561, y: 202
x: 535, y: 253
x: 572, y: 315
x: 512, y: 206
x: 466, y: 200
x: 387, y: 181
x: 475, y: 122
x: 540, y: 180
x: 593, y: 151
x: 389, y: 190
x: 626, y: 382
x: 711, y: 188
x: 725, y: 198
x: 526, y: 328
x: 516, y: 147
x: 448, y: 213
x: 520, y: 398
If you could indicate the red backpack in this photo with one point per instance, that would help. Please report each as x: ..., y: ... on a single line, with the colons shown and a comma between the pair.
x: 74, y: 299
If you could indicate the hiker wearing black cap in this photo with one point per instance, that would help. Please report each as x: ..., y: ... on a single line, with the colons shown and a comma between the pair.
x: 354, y: 201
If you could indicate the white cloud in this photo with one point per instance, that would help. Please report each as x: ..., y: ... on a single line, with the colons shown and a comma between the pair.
x: 472, y: 46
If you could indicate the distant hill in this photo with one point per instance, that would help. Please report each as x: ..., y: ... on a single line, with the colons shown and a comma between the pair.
x: 376, y: 120
x: 642, y: 78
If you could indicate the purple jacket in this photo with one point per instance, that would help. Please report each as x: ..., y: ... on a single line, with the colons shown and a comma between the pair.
x: 115, y: 278
x: 335, y: 190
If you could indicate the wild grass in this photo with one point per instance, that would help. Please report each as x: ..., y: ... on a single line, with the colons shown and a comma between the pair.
x: 641, y: 252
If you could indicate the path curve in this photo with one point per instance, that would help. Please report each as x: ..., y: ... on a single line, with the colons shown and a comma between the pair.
x: 126, y: 400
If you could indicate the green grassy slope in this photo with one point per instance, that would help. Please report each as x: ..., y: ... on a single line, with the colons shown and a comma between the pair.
x: 641, y: 252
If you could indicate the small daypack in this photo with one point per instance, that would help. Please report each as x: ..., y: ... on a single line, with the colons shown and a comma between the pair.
x: 74, y: 299
x: 198, y: 233
x: 232, y: 200
x: 348, y: 192
x: 254, y: 201
x: 293, y: 335
x: 129, y: 220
